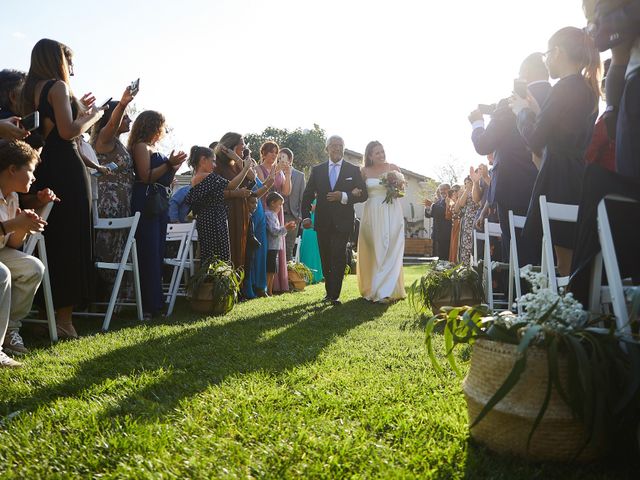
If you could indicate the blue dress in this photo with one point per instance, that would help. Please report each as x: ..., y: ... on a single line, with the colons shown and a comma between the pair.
x: 256, y: 274
x: 150, y: 238
x: 310, y: 252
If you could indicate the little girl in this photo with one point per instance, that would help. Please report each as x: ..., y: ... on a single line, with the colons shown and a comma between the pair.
x: 275, y: 232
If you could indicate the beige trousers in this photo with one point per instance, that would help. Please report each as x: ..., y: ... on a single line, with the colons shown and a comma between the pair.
x: 20, y: 277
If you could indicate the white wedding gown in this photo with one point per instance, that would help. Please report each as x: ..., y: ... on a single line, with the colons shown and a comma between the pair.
x: 380, y: 246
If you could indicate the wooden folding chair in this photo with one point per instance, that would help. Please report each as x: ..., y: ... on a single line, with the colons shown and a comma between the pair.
x: 562, y: 213
x: 182, y: 233
x: 128, y: 263
x: 36, y: 241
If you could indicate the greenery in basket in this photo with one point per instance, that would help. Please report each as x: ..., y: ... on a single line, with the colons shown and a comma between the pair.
x: 225, y: 280
x: 444, y: 278
x: 302, y: 270
x: 603, y: 362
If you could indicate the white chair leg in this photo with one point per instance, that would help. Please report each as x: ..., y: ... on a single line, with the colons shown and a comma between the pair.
x: 595, y: 304
x: 113, y: 299
x: 136, y: 280
x: 46, y: 288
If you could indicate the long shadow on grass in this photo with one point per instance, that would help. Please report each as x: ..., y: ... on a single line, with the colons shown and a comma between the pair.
x: 195, y: 358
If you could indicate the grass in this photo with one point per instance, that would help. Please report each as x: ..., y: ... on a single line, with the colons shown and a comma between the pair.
x: 279, y: 388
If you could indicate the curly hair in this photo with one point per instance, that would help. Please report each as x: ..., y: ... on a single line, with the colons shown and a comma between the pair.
x: 148, y: 126
x: 16, y: 152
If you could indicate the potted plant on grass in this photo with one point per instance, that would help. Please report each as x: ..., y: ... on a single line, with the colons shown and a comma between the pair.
x: 215, y: 287
x: 299, y: 275
x: 445, y: 284
x: 550, y: 384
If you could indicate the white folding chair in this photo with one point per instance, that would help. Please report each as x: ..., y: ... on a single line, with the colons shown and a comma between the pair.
x: 562, y: 213
x: 490, y: 230
x: 615, y: 293
x: 515, y: 221
x: 128, y: 263
x: 37, y: 241
x: 182, y: 233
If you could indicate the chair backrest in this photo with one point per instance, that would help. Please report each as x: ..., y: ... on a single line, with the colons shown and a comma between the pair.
x: 32, y: 241
x: 558, y: 212
x: 491, y: 229
x: 183, y: 233
x: 130, y: 223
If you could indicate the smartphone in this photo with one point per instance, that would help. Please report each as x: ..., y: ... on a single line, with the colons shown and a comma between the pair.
x: 31, y: 122
x: 487, y: 109
x: 520, y: 88
x: 111, y: 166
x: 135, y: 86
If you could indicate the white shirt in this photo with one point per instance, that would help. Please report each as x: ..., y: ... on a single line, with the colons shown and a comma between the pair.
x: 8, y: 210
x: 338, y: 166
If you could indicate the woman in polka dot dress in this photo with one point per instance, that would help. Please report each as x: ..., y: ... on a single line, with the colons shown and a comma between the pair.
x: 206, y: 197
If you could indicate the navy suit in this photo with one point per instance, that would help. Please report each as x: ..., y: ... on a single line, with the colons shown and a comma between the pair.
x: 513, y: 174
x: 334, y: 221
x: 441, y: 228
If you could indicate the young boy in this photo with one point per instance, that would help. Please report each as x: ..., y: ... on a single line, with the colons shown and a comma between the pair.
x: 20, y: 274
x: 275, y: 232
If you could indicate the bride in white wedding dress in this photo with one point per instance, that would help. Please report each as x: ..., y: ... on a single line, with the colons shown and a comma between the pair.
x: 381, y: 238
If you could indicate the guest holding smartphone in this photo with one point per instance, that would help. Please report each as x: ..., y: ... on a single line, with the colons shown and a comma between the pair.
x: 62, y: 118
x: 154, y: 173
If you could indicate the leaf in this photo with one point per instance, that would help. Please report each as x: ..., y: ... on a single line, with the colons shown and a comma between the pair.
x: 448, y: 343
x: 544, y: 406
x: 429, y: 336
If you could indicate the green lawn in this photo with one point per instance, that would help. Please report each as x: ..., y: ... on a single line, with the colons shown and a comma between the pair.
x: 279, y: 388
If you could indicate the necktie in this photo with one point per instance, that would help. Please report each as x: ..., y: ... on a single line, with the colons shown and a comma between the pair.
x: 333, y: 175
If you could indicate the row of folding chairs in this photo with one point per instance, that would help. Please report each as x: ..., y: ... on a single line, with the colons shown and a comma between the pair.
x: 183, y: 234
x: 614, y: 294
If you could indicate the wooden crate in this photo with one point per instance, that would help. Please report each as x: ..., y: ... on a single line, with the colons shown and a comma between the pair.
x: 418, y: 247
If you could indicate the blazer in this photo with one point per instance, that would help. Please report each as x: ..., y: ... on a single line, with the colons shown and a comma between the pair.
x: 513, y: 173
x: 333, y: 214
x: 441, y: 225
x: 293, y: 202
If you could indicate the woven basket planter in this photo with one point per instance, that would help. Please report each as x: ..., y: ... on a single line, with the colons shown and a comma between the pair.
x: 506, y: 428
x: 296, y: 281
x: 466, y: 297
x: 202, y: 300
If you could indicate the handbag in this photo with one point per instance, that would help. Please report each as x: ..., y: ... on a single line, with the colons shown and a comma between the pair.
x: 155, y: 202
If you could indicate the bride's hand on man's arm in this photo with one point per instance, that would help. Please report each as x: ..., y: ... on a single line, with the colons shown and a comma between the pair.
x: 356, y: 192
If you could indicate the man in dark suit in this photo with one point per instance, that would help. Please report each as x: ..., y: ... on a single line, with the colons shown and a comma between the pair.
x: 514, y: 172
x: 336, y: 185
x: 441, y: 235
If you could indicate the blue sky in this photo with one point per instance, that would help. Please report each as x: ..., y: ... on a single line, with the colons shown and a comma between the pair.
x: 406, y: 73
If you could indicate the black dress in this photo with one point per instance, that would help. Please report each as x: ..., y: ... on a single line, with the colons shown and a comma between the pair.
x: 562, y: 131
x: 207, y: 202
x: 68, y: 233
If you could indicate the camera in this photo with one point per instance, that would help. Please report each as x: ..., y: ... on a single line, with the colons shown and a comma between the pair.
x: 246, y: 153
x: 485, y: 109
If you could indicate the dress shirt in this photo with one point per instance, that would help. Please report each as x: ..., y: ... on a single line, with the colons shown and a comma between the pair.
x: 8, y: 210
x: 338, y: 166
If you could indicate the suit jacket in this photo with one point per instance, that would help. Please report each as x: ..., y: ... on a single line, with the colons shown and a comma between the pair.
x: 441, y: 226
x: 333, y: 214
x: 293, y: 201
x: 513, y: 173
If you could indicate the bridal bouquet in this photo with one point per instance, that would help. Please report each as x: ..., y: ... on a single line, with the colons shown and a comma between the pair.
x: 395, y: 184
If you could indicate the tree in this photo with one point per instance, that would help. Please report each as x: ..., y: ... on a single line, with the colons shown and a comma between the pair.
x: 452, y: 171
x: 308, y: 146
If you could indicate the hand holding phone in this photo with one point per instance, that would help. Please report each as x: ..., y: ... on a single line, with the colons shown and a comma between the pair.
x: 105, y: 105
x: 520, y: 88
x: 31, y: 122
x: 135, y: 86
